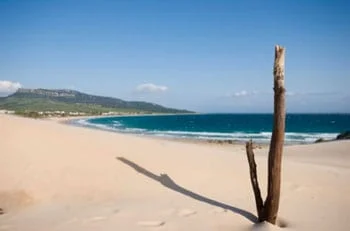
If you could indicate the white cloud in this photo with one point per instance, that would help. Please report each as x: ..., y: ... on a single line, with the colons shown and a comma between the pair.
x: 240, y: 93
x: 290, y: 93
x: 151, y: 88
x: 309, y: 94
x: 243, y: 93
x: 8, y: 87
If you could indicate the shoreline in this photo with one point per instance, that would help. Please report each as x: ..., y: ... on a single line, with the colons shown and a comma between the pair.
x: 222, y: 143
x: 198, y: 140
x: 70, y: 121
x: 216, y: 142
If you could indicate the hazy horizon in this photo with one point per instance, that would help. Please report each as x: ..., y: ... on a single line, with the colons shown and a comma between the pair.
x: 205, y: 56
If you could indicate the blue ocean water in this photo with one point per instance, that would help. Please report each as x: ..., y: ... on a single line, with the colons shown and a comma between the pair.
x: 300, y: 128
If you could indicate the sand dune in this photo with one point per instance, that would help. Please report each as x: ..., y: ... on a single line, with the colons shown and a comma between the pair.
x: 58, y: 177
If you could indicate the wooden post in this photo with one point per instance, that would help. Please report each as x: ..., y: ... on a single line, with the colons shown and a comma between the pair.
x: 254, y: 180
x: 277, y: 140
x: 268, y: 211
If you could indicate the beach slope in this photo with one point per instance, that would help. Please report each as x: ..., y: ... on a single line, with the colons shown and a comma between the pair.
x: 59, y: 177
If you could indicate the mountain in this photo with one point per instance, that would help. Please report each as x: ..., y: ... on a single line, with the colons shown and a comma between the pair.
x: 70, y: 100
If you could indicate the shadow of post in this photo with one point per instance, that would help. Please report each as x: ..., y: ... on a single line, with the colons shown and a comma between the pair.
x: 166, y: 181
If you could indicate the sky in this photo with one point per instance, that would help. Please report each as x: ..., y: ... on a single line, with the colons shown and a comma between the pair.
x: 204, y: 55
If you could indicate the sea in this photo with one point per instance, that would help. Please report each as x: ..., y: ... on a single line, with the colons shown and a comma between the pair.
x: 300, y: 128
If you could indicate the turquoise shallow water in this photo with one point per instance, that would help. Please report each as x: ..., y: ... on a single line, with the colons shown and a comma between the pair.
x: 300, y: 128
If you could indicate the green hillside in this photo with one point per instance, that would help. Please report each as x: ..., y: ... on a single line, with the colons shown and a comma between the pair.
x: 74, y: 101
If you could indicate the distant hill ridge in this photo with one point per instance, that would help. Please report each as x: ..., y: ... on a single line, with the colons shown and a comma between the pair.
x: 47, y: 92
x: 71, y: 100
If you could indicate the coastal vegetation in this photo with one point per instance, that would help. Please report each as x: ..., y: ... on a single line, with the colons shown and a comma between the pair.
x: 30, y: 102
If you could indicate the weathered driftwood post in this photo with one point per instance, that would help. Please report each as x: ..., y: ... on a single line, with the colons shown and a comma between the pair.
x: 268, y: 211
x: 277, y: 140
x: 254, y: 179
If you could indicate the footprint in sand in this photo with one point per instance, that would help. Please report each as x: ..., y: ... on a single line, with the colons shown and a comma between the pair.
x: 186, y: 212
x: 295, y: 187
x: 218, y: 210
x: 115, y: 211
x: 98, y: 218
x: 151, y: 223
x: 94, y: 219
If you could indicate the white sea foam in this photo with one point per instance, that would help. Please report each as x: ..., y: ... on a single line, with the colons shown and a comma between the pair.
x: 86, y: 123
x: 82, y: 122
x: 260, y: 137
x: 134, y: 130
x: 117, y: 123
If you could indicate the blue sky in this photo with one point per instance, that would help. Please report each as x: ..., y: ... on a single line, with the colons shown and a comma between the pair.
x: 208, y: 56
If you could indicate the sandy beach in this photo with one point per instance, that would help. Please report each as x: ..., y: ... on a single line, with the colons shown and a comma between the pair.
x: 59, y: 177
